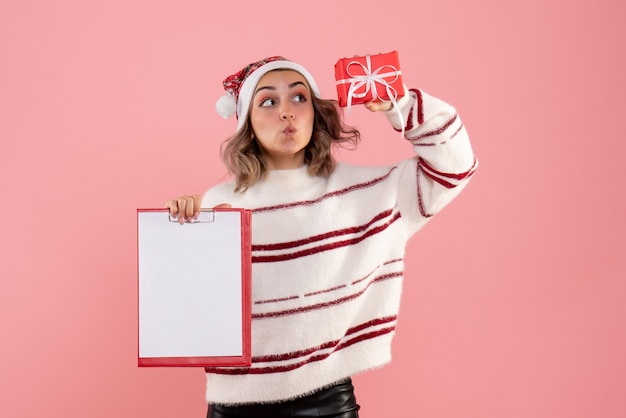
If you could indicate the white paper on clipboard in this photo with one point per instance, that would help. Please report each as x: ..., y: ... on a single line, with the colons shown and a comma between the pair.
x: 194, y: 289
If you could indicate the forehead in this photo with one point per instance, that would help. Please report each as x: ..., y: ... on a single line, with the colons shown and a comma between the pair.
x: 281, y: 76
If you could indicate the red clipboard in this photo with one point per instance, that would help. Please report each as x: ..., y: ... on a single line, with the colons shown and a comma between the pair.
x: 194, y: 289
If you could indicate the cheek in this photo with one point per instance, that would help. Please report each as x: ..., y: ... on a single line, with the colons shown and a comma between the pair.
x: 308, y: 116
x: 258, y: 122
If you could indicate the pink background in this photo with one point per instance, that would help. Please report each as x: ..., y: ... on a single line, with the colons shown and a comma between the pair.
x: 514, y: 303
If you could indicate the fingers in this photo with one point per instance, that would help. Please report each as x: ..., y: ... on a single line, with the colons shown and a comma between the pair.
x: 172, y: 205
x: 184, y: 208
x: 197, y: 205
x: 378, y: 106
x: 187, y: 208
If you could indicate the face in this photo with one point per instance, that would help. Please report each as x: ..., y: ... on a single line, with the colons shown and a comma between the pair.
x: 281, y: 114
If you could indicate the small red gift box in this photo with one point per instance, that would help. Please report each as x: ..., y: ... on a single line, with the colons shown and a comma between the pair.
x: 368, y: 78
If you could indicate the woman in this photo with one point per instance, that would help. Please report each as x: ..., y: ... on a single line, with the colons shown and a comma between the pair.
x: 328, y: 238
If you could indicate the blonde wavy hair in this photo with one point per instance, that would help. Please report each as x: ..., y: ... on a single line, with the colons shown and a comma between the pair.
x: 242, y: 156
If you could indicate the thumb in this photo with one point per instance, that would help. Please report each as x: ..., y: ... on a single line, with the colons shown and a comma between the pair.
x: 223, y: 206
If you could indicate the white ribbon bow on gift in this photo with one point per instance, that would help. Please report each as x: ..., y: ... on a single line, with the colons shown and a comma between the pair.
x: 369, y: 79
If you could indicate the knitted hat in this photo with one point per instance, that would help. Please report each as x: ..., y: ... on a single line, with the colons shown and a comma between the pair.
x: 240, y: 86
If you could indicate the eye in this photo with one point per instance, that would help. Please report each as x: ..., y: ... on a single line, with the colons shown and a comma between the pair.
x: 267, y: 102
x: 299, y: 98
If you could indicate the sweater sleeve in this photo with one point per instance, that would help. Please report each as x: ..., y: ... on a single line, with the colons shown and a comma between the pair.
x: 444, y: 162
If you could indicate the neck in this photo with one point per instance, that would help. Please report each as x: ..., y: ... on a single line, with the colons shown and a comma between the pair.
x: 286, y: 162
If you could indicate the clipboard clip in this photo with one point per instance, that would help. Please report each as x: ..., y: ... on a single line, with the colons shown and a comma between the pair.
x: 206, y: 216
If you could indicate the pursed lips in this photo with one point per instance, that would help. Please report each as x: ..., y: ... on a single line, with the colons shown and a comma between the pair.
x: 289, y: 130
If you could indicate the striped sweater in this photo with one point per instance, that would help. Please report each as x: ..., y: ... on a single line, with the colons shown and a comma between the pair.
x: 328, y: 257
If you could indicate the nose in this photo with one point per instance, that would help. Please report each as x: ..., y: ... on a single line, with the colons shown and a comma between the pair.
x: 287, y: 113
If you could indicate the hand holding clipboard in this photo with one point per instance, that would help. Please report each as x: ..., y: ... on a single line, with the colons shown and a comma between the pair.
x: 189, y: 206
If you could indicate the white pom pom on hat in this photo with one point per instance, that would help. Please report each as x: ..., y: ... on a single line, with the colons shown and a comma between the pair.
x: 240, y: 86
x: 226, y: 105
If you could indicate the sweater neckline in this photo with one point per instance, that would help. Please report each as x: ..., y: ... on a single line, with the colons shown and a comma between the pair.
x: 287, y: 172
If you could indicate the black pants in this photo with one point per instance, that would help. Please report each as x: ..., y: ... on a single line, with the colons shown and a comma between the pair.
x: 336, y: 401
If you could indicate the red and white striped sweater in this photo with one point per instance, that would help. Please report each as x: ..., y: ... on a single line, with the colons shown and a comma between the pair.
x: 327, y: 257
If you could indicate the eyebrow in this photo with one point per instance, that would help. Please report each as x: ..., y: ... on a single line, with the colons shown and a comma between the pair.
x: 292, y: 85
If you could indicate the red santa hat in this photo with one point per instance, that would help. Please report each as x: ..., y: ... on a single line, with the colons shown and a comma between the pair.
x: 240, y: 86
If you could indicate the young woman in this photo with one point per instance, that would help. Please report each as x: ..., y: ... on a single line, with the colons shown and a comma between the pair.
x: 328, y: 238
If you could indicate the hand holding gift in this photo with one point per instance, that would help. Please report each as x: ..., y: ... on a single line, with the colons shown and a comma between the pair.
x: 369, y: 79
x: 378, y: 106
